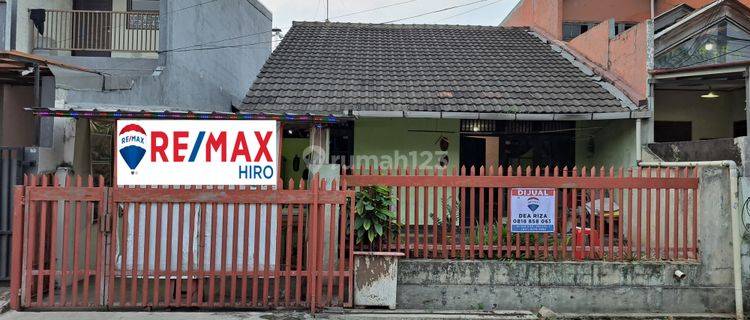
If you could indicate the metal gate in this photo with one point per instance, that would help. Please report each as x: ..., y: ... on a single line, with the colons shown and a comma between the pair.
x: 84, y: 245
x: 11, y: 174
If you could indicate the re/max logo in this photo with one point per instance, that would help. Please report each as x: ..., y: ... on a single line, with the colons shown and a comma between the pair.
x: 128, y: 139
x: 176, y: 148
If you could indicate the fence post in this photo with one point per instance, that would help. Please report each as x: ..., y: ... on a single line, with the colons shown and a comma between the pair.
x: 102, y: 261
x: 313, y: 257
x: 16, y: 250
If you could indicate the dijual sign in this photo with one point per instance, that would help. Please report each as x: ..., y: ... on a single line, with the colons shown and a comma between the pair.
x: 532, y: 210
x: 196, y: 152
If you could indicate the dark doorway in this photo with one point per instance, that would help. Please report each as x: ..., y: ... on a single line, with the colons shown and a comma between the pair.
x: 92, y: 30
x: 671, y: 131
x: 473, y: 152
x: 517, y: 143
x: 740, y: 128
x: 342, y: 143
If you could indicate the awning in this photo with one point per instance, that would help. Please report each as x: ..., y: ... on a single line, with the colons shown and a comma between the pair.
x: 17, y: 68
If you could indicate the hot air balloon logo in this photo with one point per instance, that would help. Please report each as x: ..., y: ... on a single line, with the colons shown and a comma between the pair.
x: 132, y: 145
x: 532, y: 203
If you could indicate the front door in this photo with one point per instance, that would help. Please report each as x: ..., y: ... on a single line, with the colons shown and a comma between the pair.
x: 92, y: 30
x: 472, y: 152
x: 473, y: 155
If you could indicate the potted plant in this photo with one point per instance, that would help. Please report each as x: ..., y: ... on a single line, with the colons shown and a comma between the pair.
x: 375, y: 271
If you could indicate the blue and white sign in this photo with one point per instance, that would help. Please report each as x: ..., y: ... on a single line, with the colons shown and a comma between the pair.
x: 197, y: 152
x: 532, y: 210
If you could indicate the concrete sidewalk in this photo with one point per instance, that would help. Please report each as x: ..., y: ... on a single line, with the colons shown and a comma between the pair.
x: 279, y: 315
x: 93, y: 315
x: 351, y: 314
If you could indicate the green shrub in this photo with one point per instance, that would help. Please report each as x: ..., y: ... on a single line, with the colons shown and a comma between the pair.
x: 374, y: 214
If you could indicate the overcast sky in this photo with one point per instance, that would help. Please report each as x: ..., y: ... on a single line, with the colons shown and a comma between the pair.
x: 479, y: 12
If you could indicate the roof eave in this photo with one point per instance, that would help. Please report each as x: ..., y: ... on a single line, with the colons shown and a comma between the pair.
x: 632, y: 114
x: 738, y: 66
x: 93, y: 113
x: 676, y: 7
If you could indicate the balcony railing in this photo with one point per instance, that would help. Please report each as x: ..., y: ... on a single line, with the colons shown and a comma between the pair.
x: 99, y: 31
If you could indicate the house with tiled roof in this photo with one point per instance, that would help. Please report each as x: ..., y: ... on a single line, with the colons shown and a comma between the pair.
x: 419, y: 95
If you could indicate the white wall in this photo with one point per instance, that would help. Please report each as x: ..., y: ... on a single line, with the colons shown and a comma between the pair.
x: 213, y: 79
x: 207, y: 80
x: 25, y: 28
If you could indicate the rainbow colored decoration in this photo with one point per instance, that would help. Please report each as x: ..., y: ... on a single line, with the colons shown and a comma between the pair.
x: 120, y: 114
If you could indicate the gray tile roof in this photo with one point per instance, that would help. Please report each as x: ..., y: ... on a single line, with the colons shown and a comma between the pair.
x: 338, y: 67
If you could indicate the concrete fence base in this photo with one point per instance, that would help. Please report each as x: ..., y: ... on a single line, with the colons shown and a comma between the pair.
x: 561, y: 286
x: 586, y: 287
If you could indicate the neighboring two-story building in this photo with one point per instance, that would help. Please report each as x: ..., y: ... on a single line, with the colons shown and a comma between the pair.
x: 686, y: 60
x: 120, y: 58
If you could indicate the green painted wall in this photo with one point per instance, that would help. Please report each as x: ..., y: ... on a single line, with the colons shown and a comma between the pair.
x: 606, y: 143
x: 404, y: 141
x: 407, y: 142
x: 380, y: 141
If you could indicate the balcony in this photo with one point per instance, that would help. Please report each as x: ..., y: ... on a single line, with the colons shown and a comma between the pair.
x: 98, y: 33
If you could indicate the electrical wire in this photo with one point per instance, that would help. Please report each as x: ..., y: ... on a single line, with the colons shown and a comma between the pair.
x: 199, y: 46
x: 108, y: 28
x: 716, y: 56
x: 182, y: 49
x: 436, y: 11
x: 342, y: 4
x: 215, y: 41
x: 185, y: 48
x: 373, y: 9
x: 470, y: 10
x: 190, y: 49
x: 694, y: 46
x: 225, y: 47
x: 259, y: 10
x: 188, y: 7
x: 317, y: 8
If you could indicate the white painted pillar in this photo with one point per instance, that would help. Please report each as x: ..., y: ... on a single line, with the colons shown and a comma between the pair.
x: 320, y: 143
x: 638, y: 141
x: 319, y: 164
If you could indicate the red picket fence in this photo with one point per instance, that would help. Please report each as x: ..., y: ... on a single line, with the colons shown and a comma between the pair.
x: 613, y: 215
x: 85, y: 245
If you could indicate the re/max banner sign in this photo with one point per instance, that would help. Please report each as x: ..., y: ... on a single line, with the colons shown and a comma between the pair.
x: 196, y: 152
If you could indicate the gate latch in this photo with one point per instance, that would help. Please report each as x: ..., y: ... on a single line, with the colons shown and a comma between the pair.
x: 106, y: 223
